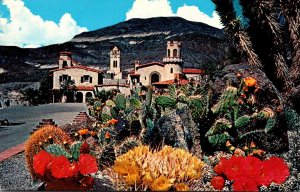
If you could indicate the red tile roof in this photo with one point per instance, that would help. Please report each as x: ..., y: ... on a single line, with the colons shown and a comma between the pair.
x: 192, y: 71
x: 149, y: 64
x: 65, y: 52
x: 171, y: 82
x: 79, y: 67
x: 85, y: 88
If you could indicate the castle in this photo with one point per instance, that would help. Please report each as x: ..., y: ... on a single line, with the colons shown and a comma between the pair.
x: 157, y: 74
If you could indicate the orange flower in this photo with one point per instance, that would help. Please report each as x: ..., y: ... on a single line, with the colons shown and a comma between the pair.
x: 83, y: 131
x: 258, y: 152
x: 228, y: 143
x: 182, y: 187
x: 252, y: 145
x: 93, y: 133
x: 250, y: 81
x: 112, y: 122
x: 107, y: 135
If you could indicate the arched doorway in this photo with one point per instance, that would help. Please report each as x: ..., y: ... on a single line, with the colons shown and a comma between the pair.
x: 88, y: 95
x: 79, y: 97
x: 155, y: 77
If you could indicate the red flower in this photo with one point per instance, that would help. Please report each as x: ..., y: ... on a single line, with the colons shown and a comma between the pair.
x: 87, y: 183
x: 218, y: 182
x: 243, y: 183
x: 87, y: 164
x: 254, y: 168
x: 60, y: 167
x: 85, y: 148
x: 274, y: 169
x: 73, y: 169
x: 40, y: 162
x: 235, y: 167
x: 219, y: 168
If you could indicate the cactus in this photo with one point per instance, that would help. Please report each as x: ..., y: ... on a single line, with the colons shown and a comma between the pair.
x: 219, y: 127
x: 107, y: 136
x: 135, y: 103
x: 41, y: 137
x: 227, y: 100
x: 172, y: 91
x: 75, y: 150
x: 120, y: 101
x: 105, y: 117
x: 218, y: 140
x: 127, y: 145
x: 148, y: 101
x: 243, y: 121
x: 57, y: 150
x: 165, y: 102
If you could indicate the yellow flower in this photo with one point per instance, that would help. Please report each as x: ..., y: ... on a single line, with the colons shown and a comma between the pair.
x: 147, y: 179
x: 161, y: 184
x: 182, y: 187
x: 232, y: 148
x: 133, y: 179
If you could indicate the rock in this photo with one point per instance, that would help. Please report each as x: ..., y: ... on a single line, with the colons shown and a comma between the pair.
x: 179, y: 130
x: 267, y: 96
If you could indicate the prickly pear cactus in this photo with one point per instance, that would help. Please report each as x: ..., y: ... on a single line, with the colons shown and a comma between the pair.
x: 57, y: 150
x: 75, y: 150
x: 120, y: 101
x: 165, y: 102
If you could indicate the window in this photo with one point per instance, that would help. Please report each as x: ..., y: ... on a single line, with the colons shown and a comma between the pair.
x: 91, y: 80
x: 64, y: 78
x: 115, y: 64
x: 169, y: 52
x: 65, y: 64
x: 171, y: 71
x: 145, y: 78
x: 86, y: 79
x: 175, y: 53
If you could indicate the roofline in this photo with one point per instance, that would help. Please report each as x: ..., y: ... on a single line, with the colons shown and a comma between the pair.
x: 149, y: 64
x: 80, y: 67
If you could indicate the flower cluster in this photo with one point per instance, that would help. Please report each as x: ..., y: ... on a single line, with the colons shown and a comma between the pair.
x: 158, y: 170
x: 112, y: 122
x: 249, y: 173
x: 60, y: 167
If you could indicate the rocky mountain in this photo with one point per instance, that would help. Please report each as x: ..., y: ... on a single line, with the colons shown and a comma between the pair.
x: 139, y: 39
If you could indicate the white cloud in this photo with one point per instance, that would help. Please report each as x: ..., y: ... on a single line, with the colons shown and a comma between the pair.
x: 24, y: 29
x: 192, y: 13
x: 162, y: 8
x: 149, y: 8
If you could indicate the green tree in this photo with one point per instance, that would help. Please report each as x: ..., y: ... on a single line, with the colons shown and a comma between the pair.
x: 31, y: 95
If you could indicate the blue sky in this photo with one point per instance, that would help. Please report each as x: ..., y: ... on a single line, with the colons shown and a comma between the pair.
x: 35, y: 23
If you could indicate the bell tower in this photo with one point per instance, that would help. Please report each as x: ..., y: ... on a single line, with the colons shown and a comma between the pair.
x: 173, y: 61
x: 65, y: 59
x: 115, y: 63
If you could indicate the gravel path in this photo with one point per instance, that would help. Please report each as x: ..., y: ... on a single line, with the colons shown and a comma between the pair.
x: 15, y: 176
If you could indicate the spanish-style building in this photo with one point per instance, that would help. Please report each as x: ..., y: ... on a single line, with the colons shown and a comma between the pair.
x: 86, y: 79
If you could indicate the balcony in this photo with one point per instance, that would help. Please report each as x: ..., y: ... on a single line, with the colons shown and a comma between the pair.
x: 172, y: 60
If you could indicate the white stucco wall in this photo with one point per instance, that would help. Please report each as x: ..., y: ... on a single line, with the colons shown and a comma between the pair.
x: 76, y: 75
x: 146, y: 72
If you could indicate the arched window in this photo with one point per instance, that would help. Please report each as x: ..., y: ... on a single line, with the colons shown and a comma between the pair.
x: 115, y: 64
x: 65, y: 64
x: 175, y: 53
x: 171, y: 71
x: 154, y: 78
x: 169, y: 52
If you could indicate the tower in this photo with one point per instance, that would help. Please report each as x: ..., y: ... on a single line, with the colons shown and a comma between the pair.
x: 173, y: 61
x: 65, y: 59
x: 115, y: 64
